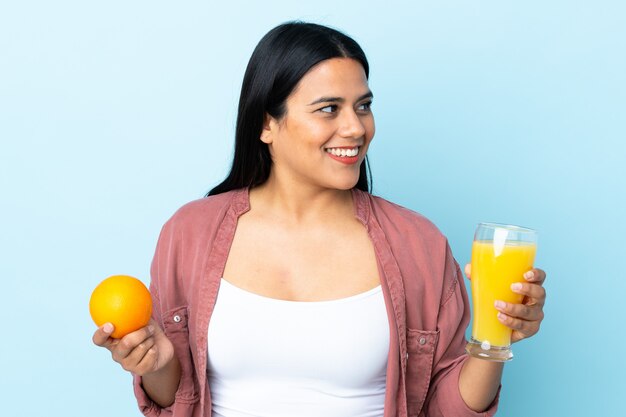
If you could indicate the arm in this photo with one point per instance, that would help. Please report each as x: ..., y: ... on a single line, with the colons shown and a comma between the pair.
x: 156, y: 389
x: 479, y: 382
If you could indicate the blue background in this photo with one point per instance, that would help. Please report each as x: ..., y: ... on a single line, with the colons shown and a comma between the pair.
x: 113, y: 114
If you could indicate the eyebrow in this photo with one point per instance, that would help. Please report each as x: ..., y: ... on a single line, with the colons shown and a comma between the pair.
x: 369, y: 94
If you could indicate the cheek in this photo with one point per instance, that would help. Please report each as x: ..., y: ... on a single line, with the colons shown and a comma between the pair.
x: 314, y: 134
x: 370, y: 128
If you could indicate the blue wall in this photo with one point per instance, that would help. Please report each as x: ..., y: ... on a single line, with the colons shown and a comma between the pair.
x: 113, y: 114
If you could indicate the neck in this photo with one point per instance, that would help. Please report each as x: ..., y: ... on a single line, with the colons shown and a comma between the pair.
x: 301, y: 204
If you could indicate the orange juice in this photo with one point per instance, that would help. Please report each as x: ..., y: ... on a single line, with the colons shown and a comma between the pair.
x: 494, y: 268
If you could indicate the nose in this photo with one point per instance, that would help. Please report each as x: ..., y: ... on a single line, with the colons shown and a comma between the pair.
x: 351, y: 125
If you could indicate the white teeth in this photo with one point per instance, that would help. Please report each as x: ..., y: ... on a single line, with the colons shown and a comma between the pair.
x: 343, y: 152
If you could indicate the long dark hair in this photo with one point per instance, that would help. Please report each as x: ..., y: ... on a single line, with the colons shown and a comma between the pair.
x: 279, y: 61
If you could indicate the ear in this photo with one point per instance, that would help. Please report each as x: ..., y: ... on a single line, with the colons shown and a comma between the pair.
x: 269, y: 128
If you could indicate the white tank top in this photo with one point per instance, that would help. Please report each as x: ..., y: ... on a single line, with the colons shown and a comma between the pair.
x: 278, y: 358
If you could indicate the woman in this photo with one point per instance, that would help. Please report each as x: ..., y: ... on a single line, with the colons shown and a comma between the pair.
x: 290, y: 290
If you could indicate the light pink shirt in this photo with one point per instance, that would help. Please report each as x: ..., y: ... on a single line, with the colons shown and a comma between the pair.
x: 422, y: 284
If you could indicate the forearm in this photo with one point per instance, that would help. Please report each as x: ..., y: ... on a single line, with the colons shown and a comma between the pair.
x: 161, y: 385
x: 479, y: 382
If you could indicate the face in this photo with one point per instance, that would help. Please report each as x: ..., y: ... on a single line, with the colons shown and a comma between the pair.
x: 323, y: 137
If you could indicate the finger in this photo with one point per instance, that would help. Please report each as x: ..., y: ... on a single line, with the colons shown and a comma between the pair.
x: 536, y: 275
x: 525, y: 327
x: 135, y: 357
x: 535, y: 292
x: 102, y: 336
x: 520, y: 311
x: 468, y: 271
x: 131, y: 341
x: 149, y: 362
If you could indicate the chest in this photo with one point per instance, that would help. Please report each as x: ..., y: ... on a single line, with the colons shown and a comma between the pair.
x: 324, y: 262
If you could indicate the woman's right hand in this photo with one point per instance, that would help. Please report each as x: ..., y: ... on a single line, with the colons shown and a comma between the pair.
x: 141, y: 352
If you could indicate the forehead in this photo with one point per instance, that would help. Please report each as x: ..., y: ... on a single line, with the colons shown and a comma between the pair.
x: 343, y: 77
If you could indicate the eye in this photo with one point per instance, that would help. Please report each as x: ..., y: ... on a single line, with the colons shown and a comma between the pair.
x: 367, y: 106
x: 329, y: 109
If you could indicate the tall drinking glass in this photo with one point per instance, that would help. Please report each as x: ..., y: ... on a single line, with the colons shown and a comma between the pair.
x: 501, y: 254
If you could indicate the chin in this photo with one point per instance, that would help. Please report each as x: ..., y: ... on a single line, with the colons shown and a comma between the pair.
x: 348, y: 184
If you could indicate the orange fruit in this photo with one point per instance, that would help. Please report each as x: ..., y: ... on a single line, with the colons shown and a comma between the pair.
x: 123, y: 301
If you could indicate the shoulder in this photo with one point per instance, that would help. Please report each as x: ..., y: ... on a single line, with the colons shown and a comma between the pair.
x: 392, y: 216
x: 207, y: 205
x: 202, y: 214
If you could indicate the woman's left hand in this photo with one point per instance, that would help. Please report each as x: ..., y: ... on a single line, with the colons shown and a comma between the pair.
x: 525, y: 318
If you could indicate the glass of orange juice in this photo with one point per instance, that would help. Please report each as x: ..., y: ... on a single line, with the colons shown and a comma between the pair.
x: 501, y: 254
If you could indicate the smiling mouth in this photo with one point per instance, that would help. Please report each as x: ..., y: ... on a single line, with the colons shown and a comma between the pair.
x: 344, y: 152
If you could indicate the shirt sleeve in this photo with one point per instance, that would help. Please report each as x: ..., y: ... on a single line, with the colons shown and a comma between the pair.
x: 162, y: 257
x: 444, y: 397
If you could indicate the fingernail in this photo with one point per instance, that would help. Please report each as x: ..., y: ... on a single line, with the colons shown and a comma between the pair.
x: 499, y: 304
x: 108, y: 328
x: 516, y: 286
x: 529, y: 275
x: 151, y: 329
x: 501, y: 317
